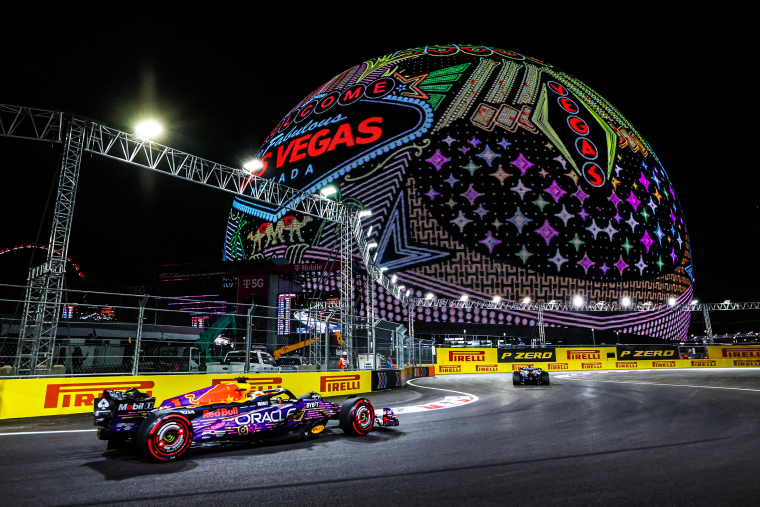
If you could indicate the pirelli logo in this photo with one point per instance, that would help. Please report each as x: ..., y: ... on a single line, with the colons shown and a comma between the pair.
x: 591, y: 366
x: 83, y: 394
x: 738, y: 362
x: 626, y: 364
x: 583, y: 354
x: 486, y: 368
x: 338, y: 383
x: 743, y: 352
x: 452, y: 368
x: 258, y: 383
x: 663, y: 364
x: 517, y: 366
x: 464, y: 356
x: 704, y: 362
x: 558, y: 366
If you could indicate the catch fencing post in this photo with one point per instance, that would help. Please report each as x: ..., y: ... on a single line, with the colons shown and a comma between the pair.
x: 248, y: 335
x: 140, y: 313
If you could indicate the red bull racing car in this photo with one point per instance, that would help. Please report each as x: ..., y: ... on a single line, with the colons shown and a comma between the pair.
x: 530, y: 375
x: 224, y: 413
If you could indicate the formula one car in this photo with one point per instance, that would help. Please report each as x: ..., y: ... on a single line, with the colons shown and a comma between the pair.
x: 223, y: 413
x: 530, y: 375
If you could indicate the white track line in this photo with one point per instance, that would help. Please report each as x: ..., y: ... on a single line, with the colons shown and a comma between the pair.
x: 669, y: 385
x: 42, y: 432
x: 447, y: 402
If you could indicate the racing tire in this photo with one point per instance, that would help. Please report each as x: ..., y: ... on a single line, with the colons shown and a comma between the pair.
x: 164, y: 436
x: 545, y: 378
x: 516, y: 380
x: 357, y: 417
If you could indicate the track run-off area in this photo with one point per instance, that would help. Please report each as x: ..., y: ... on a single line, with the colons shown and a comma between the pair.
x: 685, y: 437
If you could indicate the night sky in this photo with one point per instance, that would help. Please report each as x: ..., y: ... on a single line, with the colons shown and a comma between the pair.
x: 219, y: 83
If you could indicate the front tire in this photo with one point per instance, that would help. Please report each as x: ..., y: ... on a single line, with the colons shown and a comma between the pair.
x: 516, y: 379
x: 164, y: 437
x: 357, y: 417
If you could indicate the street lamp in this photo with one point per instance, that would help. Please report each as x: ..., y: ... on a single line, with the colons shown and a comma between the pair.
x: 148, y: 129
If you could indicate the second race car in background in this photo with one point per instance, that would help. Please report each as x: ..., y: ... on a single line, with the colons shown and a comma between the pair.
x: 530, y: 375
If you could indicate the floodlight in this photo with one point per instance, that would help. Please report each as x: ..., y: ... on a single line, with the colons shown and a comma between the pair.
x: 148, y: 129
x: 252, y: 166
x: 365, y: 213
x: 464, y: 297
x: 526, y: 300
x: 393, y: 279
x: 578, y: 301
x: 429, y: 295
x: 626, y: 301
x: 328, y: 190
x: 496, y: 299
x: 672, y: 301
x: 373, y: 245
x: 382, y: 268
x: 694, y: 302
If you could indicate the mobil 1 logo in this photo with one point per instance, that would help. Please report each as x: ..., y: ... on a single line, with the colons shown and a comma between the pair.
x: 511, y: 355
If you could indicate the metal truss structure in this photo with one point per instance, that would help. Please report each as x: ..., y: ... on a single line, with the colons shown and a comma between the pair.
x: 86, y: 135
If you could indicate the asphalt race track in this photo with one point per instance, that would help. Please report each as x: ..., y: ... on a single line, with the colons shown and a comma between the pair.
x: 688, y: 437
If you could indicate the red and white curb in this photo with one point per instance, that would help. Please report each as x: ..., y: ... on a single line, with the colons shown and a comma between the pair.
x: 569, y: 375
x: 447, y: 402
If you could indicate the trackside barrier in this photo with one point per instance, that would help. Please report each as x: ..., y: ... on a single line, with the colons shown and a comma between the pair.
x: 57, y: 396
x: 503, y: 360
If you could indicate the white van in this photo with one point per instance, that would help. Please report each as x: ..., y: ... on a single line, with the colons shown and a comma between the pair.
x: 234, y: 362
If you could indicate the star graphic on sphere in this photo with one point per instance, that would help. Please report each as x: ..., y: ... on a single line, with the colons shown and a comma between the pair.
x: 633, y: 223
x: 644, y: 214
x: 679, y: 240
x: 659, y: 263
x: 432, y: 193
x: 558, y: 260
x: 593, y: 228
x: 471, y: 195
x: 658, y: 195
x: 519, y: 220
x: 672, y: 216
x: 500, y: 175
x: 504, y: 143
x: 641, y: 265
x: 524, y: 254
x: 621, y: 265
x: 451, y: 203
x: 617, y: 170
x: 583, y: 214
x: 464, y: 149
x: 555, y: 191
x: 673, y: 255
x: 461, y: 221
x: 644, y: 181
x: 521, y: 189
x: 610, y: 230
x: 543, y: 172
x: 547, y: 232
x: 672, y: 231
x: 437, y: 160
x: 451, y: 180
x: 659, y: 233
x: 549, y: 145
x: 522, y: 163
x: 655, y: 179
x: 472, y: 167
x: 449, y: 140
x: 652, y: 204
x: 481, y: 211
x: 580, y: 194
x: 540, y: 202
x: 644, y: 165
x: 572, y: 176
x: 634, y: 202
x: 617, y: 218
x: 647, y: 240
x: 604, y: 268
x: 615, y: 199
x: 490, y: 242
x: 497, y: 224
x: 615, y: 183
x: 474, y: 142
x: 488, y: 155
x: 627, y: 246
x: 576, y: 242
x: 562, y: 161
x: 564, y: 215
x: 586, y: 262
x: 670, y: 187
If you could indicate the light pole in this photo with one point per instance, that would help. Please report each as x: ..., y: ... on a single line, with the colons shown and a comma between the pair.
x: 592, y: 336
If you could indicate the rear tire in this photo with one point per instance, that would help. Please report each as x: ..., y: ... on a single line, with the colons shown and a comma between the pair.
x: 164, y: 436
x: 516, y: 379
x: 545, y: 378
x: 357, y: 417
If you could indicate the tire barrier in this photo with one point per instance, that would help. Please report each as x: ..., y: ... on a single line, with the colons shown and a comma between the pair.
x: 621, y: 357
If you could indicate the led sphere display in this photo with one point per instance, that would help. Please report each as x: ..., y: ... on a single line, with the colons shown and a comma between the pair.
x: 488, y: 173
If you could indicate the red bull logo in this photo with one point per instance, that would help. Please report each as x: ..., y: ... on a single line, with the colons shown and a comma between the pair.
x: 338, y: 383
x: 84, y: 394
x: 220, y: 412
x: 257, y: 383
